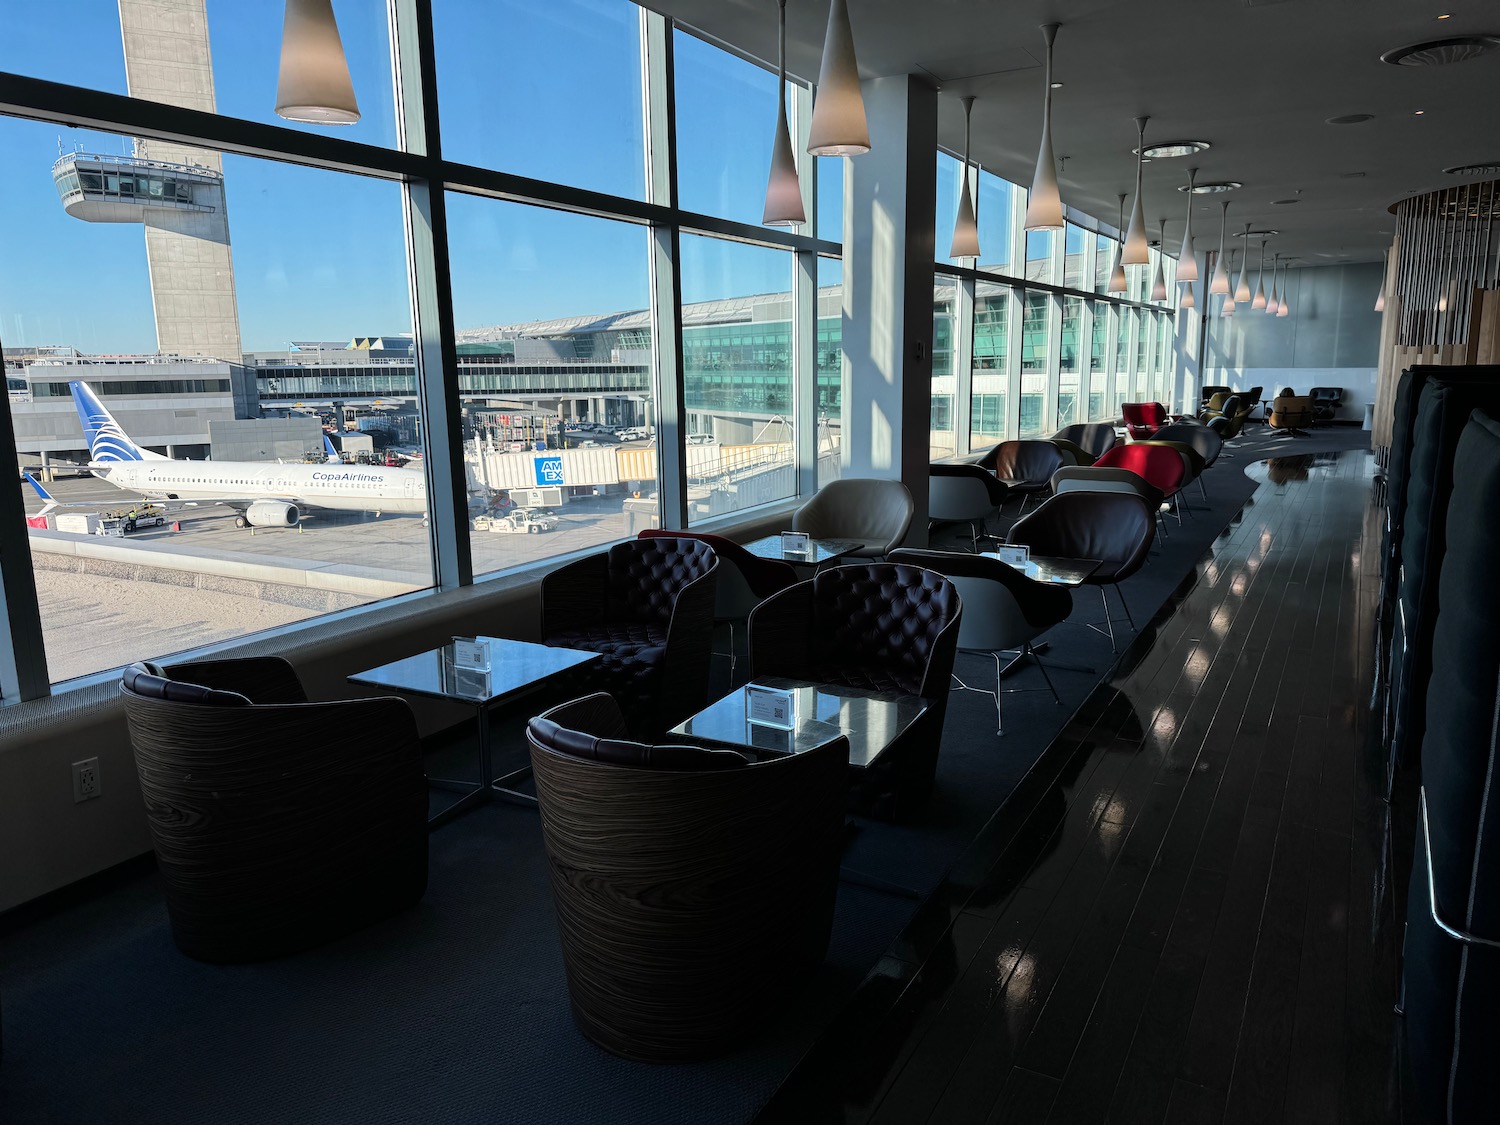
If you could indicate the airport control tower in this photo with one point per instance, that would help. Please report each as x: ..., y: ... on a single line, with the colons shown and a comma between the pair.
x: 175, y: 190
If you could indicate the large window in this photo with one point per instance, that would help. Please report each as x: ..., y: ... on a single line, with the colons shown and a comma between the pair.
x: 831, y: 418
x: 991, y: 372
x: 573, y: 115
x: 943, y: 441
x: 168, y: 337
x: 737, y: 375
x: 554, y: 346
x: 1069, y: 362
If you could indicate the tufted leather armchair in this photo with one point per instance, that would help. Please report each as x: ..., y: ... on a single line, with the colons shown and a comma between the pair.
x: 1115, y: 528
x: 879, y: 626
x: 647, y: 605
x: 694, y: 888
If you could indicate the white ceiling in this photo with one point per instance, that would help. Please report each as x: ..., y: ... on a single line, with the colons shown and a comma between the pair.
x: 1255, y: 78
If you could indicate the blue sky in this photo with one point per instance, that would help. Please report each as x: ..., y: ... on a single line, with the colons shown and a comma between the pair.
x: 546, y: 90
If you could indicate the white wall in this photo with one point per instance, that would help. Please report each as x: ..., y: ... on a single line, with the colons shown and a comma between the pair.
x: 1330, y: 339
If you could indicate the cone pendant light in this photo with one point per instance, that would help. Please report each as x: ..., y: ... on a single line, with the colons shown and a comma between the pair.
x: 313, y: 84
x: 1385, y: 260
x: 783, y: 192
x: 1219, y: 283
x: 1285, y: 308
x: 1117, y: 282
x: 1242, y: 290
x: 1188, y: 300
x: 1137, y: 251
x: 1272, y: 302
x: 1044, y: 203
x: 966, y: 228
x: 1159, y: 286
x: 1187, y: 263
x: 1227, y: 308
x: 1260, y: 280
x: 838, y: 119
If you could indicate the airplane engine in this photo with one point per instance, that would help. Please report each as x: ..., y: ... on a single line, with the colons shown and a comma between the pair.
x: 272, y: 513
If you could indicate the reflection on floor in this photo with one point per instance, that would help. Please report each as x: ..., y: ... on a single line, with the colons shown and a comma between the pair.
x: 1199, y: 919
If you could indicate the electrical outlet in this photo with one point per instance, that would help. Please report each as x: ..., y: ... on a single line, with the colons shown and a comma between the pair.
x: 85, y: 779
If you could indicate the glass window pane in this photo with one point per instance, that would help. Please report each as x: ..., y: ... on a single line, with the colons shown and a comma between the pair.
x: 1099, y: 406
x: 1124, y: 323
x: 989, y: 378
x: 737, y: 375
x: 554, y: 367
x: 1105, y: 249
x: 831, y: 417
x: 1039, y: 256
x: 943, y: 442
x: 949, y: 184
x: 226, y: 63
x: 232, y: 341
x: 551, y: 91
x: 1036, y: 336
x: 726, y: 116
x: 1073, y: 258
x: 996, y: 201
x: 831, y: 197
x: 1069, y: 361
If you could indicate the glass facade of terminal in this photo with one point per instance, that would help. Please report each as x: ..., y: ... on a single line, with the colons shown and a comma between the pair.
x: 580, y: 309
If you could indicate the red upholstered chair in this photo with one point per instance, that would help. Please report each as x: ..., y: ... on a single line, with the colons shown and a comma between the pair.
x: 1160, y: 466
x: 1143, y: 419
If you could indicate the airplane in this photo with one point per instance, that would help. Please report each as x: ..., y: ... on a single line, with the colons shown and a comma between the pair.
x: 263, y: 494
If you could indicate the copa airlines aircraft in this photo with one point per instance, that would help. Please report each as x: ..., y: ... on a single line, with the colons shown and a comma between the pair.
x: 265, y: 494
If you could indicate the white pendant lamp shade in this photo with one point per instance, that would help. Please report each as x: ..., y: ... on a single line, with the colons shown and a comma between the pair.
x: 966, y: 228
x: 1260, y: 280
x: 783, y: 191
x: 1187, y: 264
x: 1228, y: 309
x: 838, y: 118
x: 1159, y: 286
x: 1380, y: 300
x: 1380, y: 297
x: 1188, y: 300
x: 1117, y: 280
x: 1272, y: 301
x: 1285, y: 308
x: 1242, y: 290
x: 1137, y: 249
x: 1219, y: 283
x: 313, y: 85
x: 1044, y: 209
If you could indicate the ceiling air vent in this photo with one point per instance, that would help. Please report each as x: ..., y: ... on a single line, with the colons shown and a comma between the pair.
x: 1351, y: 119
x: 1492, y: 169
x: 1441, y: 52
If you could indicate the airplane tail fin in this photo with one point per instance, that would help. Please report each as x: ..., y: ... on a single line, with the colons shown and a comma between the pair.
x: 49, y: 502
x: 107, y: 440
x: 333, y: 454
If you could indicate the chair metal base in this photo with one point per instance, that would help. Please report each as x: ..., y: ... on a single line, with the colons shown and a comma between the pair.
x: 1024, y: 651
x: 1108, y: 629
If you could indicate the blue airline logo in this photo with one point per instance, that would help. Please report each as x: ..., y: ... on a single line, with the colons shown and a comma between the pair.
x: 549, y: 470
x: 107, y: 441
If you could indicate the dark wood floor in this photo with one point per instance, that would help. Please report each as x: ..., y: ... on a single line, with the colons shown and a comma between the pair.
x: 1196, y: 922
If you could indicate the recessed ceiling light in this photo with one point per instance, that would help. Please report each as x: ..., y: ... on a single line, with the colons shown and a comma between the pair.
x: 1351, y: 119
x: 1446, y: 16
x: 1202, y: 188
x: 1057, y: 85
x: 1351, y: 175
x: 1256, y: 234
x: 1418, y: 112
x: 1441, y: 52
x: 1284, y: 202
x: 1173, y: 148
x: 1490, y: 169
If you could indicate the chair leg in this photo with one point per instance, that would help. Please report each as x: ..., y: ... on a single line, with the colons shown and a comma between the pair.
x: 1119, y: 593
x: 1038, y: 660
x: 1202, y: 491
x: 1108, y: 624
x: 999, y: 718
